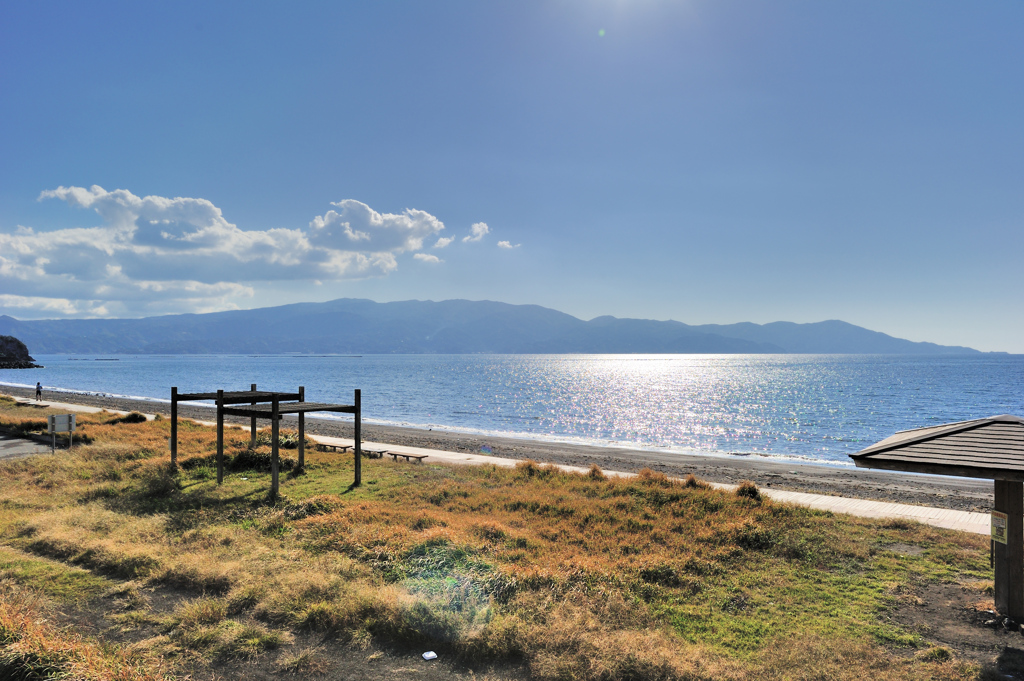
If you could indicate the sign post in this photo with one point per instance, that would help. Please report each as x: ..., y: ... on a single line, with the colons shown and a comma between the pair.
x: 1008, y: 554
x: 61, y: 423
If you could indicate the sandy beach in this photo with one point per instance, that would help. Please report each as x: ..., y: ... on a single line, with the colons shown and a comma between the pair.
x: 944, y: 492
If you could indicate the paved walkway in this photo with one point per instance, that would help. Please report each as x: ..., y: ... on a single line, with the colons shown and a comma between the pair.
x: 80, y: 408
x: 978, y: 523
x: 12, y: 447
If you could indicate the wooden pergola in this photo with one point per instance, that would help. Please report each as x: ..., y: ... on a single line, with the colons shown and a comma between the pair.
x: 991, y: 448
x: 262, y: 404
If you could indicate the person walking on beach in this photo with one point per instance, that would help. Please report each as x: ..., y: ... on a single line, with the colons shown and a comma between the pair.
x: 39, y: 391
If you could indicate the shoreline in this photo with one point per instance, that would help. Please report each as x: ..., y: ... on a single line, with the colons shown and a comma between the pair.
x: 963, y: 494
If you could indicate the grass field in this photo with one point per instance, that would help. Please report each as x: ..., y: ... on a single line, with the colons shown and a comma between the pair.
x: 527, y: 571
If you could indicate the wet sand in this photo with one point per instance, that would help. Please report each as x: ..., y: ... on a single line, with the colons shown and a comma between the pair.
x: 962, y: 494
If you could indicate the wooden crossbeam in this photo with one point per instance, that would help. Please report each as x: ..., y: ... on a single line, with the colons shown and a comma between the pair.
x: 265, y: 411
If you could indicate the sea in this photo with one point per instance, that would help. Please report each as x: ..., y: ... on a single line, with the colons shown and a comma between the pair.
x: 814, y: 408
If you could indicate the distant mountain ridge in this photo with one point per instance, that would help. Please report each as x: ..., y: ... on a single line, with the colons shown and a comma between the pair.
x: 349, y: 325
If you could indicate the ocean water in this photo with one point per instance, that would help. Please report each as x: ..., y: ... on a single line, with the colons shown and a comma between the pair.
x: 811, y: 407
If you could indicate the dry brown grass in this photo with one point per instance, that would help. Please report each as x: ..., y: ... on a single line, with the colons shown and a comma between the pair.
x: 578, y: 576
x: 33, y: 648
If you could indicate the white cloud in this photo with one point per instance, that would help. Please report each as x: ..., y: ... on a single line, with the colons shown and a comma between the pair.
x: 356, y: 222
x: 61, y: 306
x: 444, y: 241
x: 477, y: 232
x: 425, y: 257
x: 507, y: 244
x: 157, y: 253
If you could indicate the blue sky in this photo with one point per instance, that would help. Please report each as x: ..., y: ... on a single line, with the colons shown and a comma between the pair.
x: 708, y: 161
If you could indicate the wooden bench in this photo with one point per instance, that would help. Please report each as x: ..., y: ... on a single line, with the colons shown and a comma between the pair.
x: 408, y: 457
x: 374, y: 453
x: 333, y: 448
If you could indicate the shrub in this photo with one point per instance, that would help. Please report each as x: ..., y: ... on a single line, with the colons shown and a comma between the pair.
x: 937, y: 654
x: 529, y: 468
x: 664, y: 575
x: 595, y: 473
x: 318, y: 505
x: 693, y: 482
x: 749, y: 490
x: 286, y: 439
x: 753, y: 536
x: 255, y: 459
x: 649, y: 477
x: 201, y: 611
x: 133, y: 417
x: 159, y: 481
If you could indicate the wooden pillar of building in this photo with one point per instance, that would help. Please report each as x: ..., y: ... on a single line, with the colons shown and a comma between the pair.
x: 1008, y: 558
x: 274, y: 434
x: 358, y: 439
x: 220, y: 437
x: 252, y: 423
x: 302, y: 430
x: 174, y: 427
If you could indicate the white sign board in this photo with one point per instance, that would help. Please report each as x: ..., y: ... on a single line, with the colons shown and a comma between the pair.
x: 61, y: 423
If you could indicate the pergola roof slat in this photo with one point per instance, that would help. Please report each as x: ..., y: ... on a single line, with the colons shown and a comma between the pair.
x: 995, y: 443
x: 959, y: 453
x: 998, y: 427
x: 239, y: 396
x: 975, y: 463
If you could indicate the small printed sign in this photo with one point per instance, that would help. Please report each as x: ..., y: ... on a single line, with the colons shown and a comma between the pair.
x: 999, y: 527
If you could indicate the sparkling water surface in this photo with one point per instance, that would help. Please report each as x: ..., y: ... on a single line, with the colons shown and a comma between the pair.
x: 817, y: 407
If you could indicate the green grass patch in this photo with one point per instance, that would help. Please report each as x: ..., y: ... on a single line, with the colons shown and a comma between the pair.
x: 57, y: 580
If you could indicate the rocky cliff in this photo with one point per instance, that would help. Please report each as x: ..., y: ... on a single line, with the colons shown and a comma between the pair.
x: 14, y: 354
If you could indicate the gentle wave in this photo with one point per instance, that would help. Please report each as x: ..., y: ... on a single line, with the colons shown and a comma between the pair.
x: 818, y: 408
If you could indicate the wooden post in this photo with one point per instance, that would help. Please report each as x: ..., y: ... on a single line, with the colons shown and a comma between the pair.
x: 220, y: 437
x: 174, y: 427
x: 358, y: 440
x: 1009, y: 557
x: 274, y: 432
x: 252, y: 424
x: 302, y: 430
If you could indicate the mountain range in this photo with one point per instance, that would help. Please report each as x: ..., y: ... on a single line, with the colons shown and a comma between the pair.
x: 349, y: 325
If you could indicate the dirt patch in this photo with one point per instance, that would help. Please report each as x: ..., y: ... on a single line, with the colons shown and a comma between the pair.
x: 903, y: 549
x: 959, y: 617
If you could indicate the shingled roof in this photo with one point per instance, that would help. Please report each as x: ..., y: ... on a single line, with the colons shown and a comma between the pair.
x: 990, y: 448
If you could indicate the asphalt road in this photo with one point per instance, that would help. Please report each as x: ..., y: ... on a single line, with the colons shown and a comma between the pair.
x: 12, y: 447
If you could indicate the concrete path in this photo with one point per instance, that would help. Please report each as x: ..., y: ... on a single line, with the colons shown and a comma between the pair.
x: 12, y: 447
x: 80, y: 408
x: 978, y: 523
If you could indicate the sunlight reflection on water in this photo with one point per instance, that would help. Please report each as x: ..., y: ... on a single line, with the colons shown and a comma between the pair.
x: 821, y: 407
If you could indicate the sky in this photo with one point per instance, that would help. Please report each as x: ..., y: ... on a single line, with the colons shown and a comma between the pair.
x: 708, y: 161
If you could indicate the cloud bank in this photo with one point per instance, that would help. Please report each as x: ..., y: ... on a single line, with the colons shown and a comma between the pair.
x: 180, y: 254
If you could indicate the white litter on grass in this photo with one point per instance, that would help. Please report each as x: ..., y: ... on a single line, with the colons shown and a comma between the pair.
x: 429, y: 655
x: 244, y: 478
